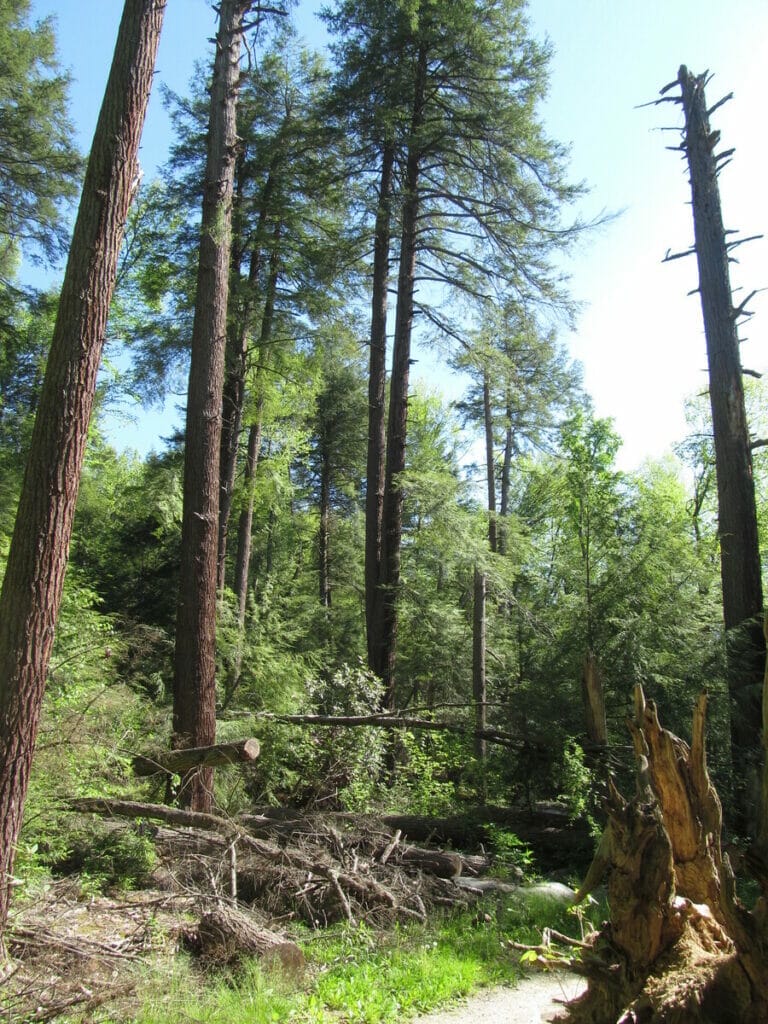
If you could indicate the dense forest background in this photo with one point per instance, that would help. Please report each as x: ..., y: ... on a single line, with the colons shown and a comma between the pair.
x: 527, y: 563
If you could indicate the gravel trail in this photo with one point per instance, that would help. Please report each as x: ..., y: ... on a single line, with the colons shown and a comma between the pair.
x: 533, y: 1001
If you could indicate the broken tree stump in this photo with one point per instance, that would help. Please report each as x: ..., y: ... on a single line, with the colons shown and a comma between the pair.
x: 176, y: 762
x: 679, y: 946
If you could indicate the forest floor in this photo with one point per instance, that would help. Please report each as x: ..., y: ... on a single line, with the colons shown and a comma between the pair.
x: 73, y: 947
x: 536, y: 999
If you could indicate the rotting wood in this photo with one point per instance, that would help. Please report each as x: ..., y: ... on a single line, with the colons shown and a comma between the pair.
x: 679, y: 945
x: 176, y: 762
x: 226, y: 934
x: 436, y: 862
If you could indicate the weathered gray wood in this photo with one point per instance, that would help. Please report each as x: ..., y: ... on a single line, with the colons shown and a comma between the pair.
x: 434, y: 862
x: 740, y: 562
x: 178, y: 761
x: 227, y: 934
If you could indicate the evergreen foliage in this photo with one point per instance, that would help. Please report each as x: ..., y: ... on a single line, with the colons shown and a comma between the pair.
x: 39, y: 165
x: 587, y: 559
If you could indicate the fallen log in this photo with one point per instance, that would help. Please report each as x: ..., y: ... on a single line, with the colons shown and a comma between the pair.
x: 394, y: 721
x: 227, y: 934
x: 435, y: 862
x: 176, y: 762
x: 555, y: 840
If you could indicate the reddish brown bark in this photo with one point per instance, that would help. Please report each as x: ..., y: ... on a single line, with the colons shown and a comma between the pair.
x: 37, y: 560
x: 194, y: 685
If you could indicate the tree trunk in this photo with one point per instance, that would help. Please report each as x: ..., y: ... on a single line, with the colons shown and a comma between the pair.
x: 737, y: 519
x: 377, y: 383
x: 324, y: 529
x: 594, y: 702
x: 478, y: 663
x: 226, y: 935
x: 506, y: 473
x: 178, y: 761
x: 236, y: 366
x: 385, y: 634
x: 490, y: 468
x: 245, y: 523
x: 679, y: 946
x: 39, y: 551
x: 194, y: 684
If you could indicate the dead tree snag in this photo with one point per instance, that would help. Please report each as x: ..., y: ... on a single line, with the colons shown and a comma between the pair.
x: 740, y: 566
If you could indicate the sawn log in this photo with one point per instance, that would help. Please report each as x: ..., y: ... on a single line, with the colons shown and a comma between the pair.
x: 176, y: 762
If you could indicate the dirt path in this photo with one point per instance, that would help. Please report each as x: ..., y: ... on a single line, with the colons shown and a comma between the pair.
x: 533, y: 1001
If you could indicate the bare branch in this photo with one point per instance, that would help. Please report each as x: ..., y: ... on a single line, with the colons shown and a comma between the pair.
x: 678, y: 255
x: 743, y: 241
x: 741, y: 310
x: 719, y: 103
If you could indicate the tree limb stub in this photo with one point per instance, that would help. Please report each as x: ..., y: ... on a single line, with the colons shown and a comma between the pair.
x: 179, y: 761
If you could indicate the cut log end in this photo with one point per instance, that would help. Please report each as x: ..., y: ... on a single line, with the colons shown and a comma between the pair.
x: 226, y: 935
x: 176, y: 762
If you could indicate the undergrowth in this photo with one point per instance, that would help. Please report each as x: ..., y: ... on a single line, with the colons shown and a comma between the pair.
x: 357, y: 975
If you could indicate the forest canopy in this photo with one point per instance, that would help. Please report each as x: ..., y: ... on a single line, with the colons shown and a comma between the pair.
x: 328, y: 545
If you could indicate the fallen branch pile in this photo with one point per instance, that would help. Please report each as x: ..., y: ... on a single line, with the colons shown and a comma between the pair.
x: 307, y: 869
x: 223, y: 888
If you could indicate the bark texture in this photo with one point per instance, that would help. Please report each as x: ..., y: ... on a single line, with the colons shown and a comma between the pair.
x: 194, y: 685
x: 39, y: 551
x: 226, y: 935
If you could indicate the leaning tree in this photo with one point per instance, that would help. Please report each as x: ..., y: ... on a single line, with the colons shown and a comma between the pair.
x: 37, y: 560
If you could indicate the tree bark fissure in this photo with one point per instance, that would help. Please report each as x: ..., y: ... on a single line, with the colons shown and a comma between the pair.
x: 37, y: 560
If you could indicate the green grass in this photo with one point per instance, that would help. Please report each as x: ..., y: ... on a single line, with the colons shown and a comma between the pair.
x: 358, y: 975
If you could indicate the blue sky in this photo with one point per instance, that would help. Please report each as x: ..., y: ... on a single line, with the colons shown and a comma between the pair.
x: 639, y: 336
